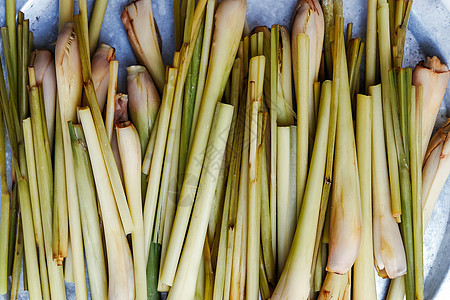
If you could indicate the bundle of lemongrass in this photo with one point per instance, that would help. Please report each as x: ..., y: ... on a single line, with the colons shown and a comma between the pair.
x: 235, y: 172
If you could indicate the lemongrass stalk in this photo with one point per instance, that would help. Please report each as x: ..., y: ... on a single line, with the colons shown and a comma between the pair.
x: 187, y: 271
x: 371, y: 40
x: 168, y: 195
x: 95, y: 23
x: 34, y: 197
x: 286, y: 218
x: 129, y: 148
x: 169, y: 213
x: 221, y: 191
x: 285, y: 112
x: 110, y: 98
x: 44, y: 66
x: 189, y: 99
x: 364, y: 279
x: 142, y: 33
x: 266, y: 233
x: 207, y: 35
x: 153, y: 183
x: 435, y: 170
x: 333, y: 286
x: 405, y: 185
x: 34, y: 282
x: 5, y: 211
x: 222, y: 256
x: 225, y: 239
x: 385, y: 66
x: 172, y: 151
x: 404, y: 77
x: 309, y: 20
x: 389, y: 252
x: 69, y: 82
x: 254, y: 207
x: 45, y: 183
x: 10, y: 16
x: 60, y: 229
x: 396, y: 289
x: 100, y: 72
x: 322, y: 232
x: 229, y: 18
x: 416, y: 178
x: 21, y: 68
x: 274, y: 37
x: 121, y: 280
x: 143, y: 102
x: 18, y: 258
x: 89, y: 217
x: 83, y: 16
x: 65, y: 12
x: 295, y: 280
x: 433, y: 75
x: 345, y: 233
x: 11, y: 68
x: 240, y: 246
x: 160, y: 145
x: 304, y: 113
x: 113, y: 173
x: 255, y: 92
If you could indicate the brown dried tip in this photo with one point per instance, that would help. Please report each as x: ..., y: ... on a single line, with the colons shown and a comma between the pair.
x: 120, y: 108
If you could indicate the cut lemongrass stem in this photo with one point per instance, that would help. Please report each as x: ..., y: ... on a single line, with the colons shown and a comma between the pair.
x: 222, y: 58
x: 34, y: 197
x: 93, y: 245
x: 206, y: 44
x: 416, y: 176
x: 184, y: 283
x: 371, y: 40
x: 274, y: 38
x: 113, y: 173
x: 389, y: 254
x: 303, y: 122
x: 130, y: 156
x: 65, y: 12
x: 154, y: 175
x: 95, y: 24
x: 254, y: 207
x: 385, y: 66
x: 112, y: 89
x: 404, y: 171
x: 266, y: 233
x: 345, y: 192
x: 331, y: 92
x: 60, y: 220
x: 45, y: 183
x: 34, y: 282
x: 364, y: 279
x: 396, y: 289
x: 190, y: 90
x: 5, y: 211
x: 17, y: 263
x: 295, y: 278
x: 121, y: 284
x: 286, y: 219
